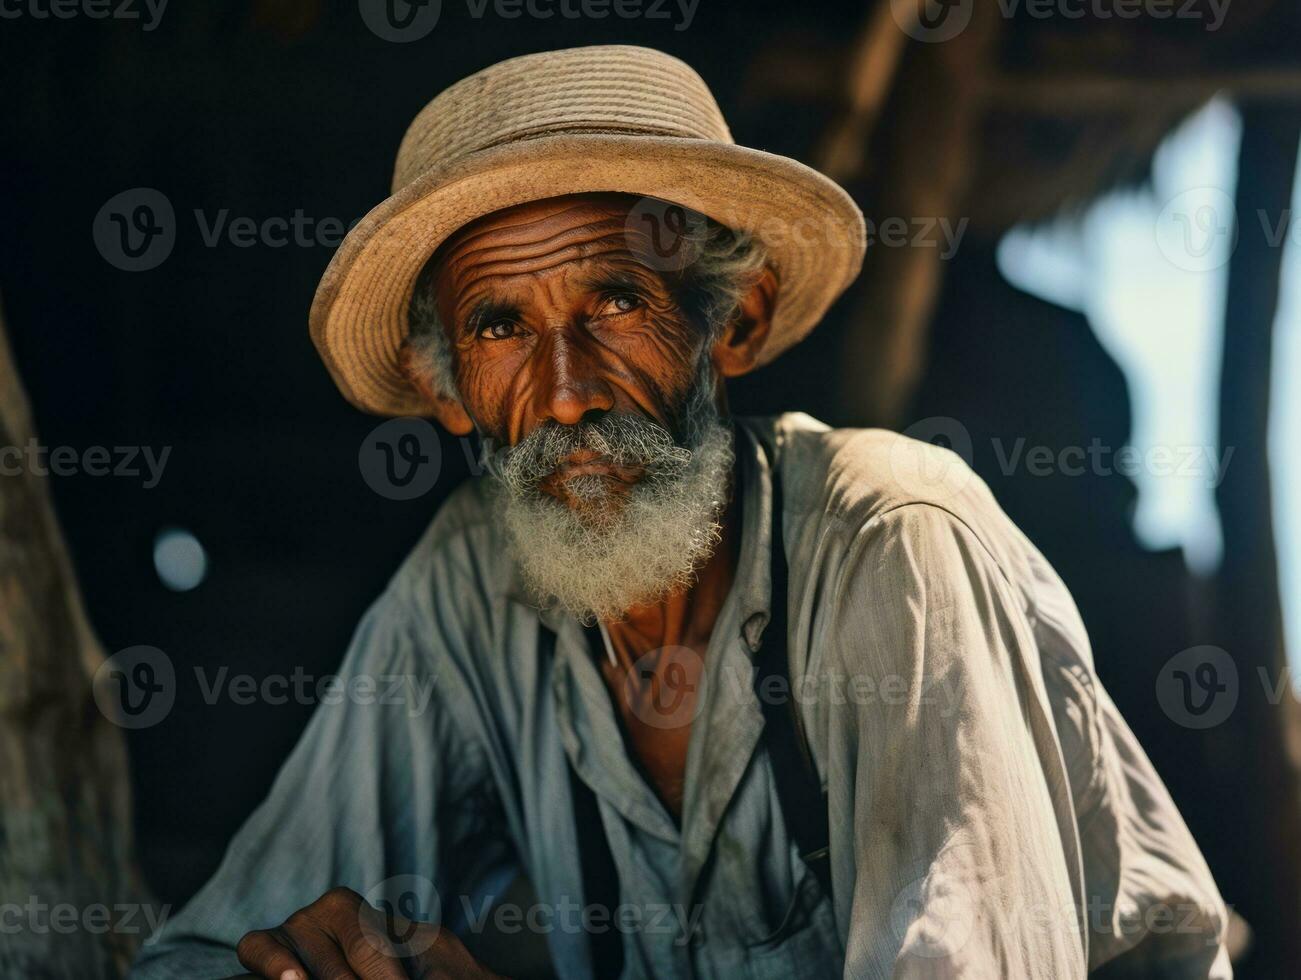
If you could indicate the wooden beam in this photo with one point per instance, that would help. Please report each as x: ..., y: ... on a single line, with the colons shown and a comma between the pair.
x: 1263, y: 875
x: 1058, y: 93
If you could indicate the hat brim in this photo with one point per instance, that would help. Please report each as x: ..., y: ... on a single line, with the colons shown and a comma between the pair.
x: 811, y: 228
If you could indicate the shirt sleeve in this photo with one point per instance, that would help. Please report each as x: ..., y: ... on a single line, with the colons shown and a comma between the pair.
x: 982, y: 844
x: 959, y: 868
x: 1152, y: 907
x: 380, y: 790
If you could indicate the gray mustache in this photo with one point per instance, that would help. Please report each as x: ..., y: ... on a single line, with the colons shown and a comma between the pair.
x: 624, y: 440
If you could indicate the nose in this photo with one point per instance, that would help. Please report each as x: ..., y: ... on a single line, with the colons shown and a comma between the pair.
x: 570, y: 382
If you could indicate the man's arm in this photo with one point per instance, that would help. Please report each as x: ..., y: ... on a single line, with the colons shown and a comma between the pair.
x: 372, y: 792
x: 959, y: 814
x: 958, y: 863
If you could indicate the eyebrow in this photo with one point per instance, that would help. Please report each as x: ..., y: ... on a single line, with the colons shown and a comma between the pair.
x: 606, y: 281
x: 486, y: 311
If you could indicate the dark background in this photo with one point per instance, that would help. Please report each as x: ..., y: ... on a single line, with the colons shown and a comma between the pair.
x: 269, y: 107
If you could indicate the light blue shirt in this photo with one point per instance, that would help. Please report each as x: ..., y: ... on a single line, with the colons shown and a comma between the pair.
x: 990, y: 812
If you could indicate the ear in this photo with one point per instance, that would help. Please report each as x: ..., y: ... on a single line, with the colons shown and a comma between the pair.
x: 737, y: 350
x: 452, y: 415
x: 449, y: 411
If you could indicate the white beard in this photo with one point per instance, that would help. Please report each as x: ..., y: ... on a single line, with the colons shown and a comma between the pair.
x: 622, y: 549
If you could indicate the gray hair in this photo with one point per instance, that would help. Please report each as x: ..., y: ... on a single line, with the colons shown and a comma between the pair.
x: 722, y: 267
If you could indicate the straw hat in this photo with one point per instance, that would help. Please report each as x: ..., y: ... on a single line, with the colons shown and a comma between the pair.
x: 608, y: 118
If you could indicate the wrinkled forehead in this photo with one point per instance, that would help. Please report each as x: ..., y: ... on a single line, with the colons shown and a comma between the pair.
x: 541, y: 235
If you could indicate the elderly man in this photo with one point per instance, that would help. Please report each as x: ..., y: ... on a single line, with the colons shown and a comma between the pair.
x: 737, y: 698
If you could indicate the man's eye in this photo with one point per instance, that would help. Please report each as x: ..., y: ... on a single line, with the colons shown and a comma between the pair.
x: 620, y: 303
x: 497, y: 330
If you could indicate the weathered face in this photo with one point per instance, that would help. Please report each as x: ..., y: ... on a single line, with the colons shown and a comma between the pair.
x: 555, y: 315
x: 575, y: 354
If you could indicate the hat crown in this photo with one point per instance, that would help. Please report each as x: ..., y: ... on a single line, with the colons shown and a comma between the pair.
x: 616, y: 89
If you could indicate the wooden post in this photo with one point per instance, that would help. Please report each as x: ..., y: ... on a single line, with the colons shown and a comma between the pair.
x: 1264, y: 878
x: 65, y: 831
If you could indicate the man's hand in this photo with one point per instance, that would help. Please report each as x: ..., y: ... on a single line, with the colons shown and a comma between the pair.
x: 342, y: 937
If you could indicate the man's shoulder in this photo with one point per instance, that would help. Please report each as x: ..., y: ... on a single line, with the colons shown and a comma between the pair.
x: 458, y: 539
x: 857, y: 475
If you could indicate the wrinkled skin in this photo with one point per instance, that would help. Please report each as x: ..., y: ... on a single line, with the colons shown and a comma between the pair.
x: 554, y: 316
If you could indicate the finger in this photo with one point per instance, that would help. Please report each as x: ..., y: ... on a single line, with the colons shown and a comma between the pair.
x: 370, y: 944
x: 445, y: 956
x: 264, y: 954
x: 317, y: 948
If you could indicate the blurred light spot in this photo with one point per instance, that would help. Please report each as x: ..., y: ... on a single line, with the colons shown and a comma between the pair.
x: 1160, y: 319
x: 179, y: 559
